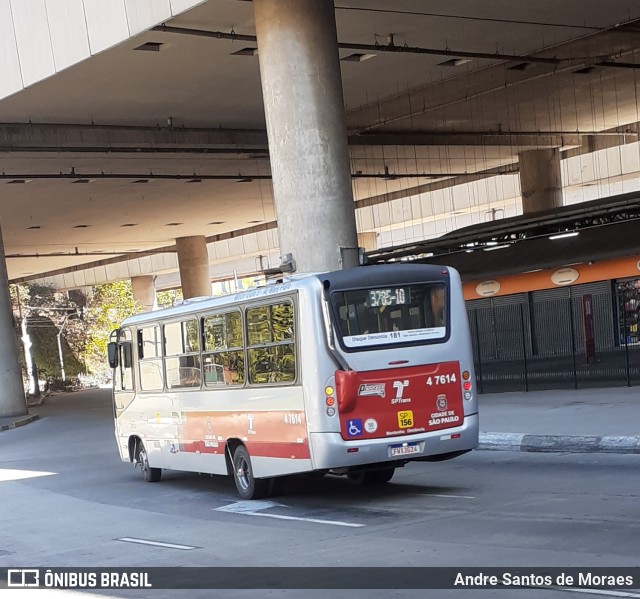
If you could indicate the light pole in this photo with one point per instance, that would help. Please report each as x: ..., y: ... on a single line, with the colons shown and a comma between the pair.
x: 59, y: 337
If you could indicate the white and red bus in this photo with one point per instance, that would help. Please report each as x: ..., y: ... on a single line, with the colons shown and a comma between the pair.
x: 354, y: 372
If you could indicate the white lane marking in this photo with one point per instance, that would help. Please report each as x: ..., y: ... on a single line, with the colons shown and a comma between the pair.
x: 156, y: 543
x: 316, y: 520
x: 9, y: 475
x: 602, y: 592
x: 448, y: 496
x: 255, y: 508
x: 248, y: 507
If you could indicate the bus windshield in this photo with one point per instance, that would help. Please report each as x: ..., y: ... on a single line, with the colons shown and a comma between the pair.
x: 410, y: 313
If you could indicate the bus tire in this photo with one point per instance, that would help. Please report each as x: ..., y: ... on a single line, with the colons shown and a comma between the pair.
x: 248, y: 487
x: 384, y: 476
x: 149, y: 475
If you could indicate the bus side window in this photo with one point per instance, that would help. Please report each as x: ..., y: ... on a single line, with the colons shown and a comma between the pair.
x: 182, y: 354
x: 271, y: 343
x: 223, y: 350
x: 150, y: 358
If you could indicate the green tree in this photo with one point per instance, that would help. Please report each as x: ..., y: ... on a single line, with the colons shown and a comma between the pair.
x: 168, y: 298
x: 46, y: 313
x: 108, y: 306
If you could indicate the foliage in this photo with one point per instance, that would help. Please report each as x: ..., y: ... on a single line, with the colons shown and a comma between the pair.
x: 47, y: 312
x: 108, y: 306
x: 169, y: 298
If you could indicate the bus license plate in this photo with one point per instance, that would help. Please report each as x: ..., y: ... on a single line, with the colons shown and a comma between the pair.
x: 399, y: 450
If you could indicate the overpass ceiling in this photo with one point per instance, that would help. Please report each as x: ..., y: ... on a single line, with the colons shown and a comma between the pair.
x: 197, y: 82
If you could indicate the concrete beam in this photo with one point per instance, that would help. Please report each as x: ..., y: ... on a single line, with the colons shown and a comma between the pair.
x: 27, y: 137
x: 57, y: 137
x: 470, y: 138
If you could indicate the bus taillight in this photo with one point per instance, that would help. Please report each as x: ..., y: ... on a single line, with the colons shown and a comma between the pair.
x: 466, y: 375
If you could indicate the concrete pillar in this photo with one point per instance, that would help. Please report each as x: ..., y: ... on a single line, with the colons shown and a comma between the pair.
x: 540, y: 180
x: 368, y: 240
x: 12, y: 398
x: 193, y: 260
x: 144, y: 292
x: 304, y: 108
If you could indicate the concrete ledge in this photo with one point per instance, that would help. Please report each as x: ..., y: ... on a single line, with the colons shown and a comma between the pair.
x: 559, y: 443
x: 20, y: 422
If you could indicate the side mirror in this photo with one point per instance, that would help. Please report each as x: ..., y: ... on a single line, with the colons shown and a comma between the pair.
x: 112, y: 354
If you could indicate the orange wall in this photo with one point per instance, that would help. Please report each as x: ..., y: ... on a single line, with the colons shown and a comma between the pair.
x: 603, y: 270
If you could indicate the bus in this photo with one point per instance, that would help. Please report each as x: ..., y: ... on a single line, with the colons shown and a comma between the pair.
x: 355, y: 372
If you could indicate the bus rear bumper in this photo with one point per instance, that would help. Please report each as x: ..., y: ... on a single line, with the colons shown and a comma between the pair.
x: 330, y: 450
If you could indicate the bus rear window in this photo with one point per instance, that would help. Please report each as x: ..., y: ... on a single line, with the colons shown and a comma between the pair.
x: 411, y: 313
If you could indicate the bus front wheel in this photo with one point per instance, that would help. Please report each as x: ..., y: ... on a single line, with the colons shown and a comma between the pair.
x: 248, y: 487
x: 149, y: 474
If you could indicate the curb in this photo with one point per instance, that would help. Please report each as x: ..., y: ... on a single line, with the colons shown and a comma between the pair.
x: 559, y: 443
x: 21, y: 422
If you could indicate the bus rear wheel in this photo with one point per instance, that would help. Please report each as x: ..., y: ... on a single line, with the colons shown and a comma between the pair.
x: 149, y: 474
x: 248, y: 487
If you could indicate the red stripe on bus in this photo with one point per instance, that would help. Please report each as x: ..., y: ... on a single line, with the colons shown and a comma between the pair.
x: 292, y: 451
x: 278, y: 434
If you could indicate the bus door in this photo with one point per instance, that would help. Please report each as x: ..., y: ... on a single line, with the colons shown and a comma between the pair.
x: 121, y: 360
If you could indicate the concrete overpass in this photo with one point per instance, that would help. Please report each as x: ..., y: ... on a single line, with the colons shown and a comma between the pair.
x: 128, y: 127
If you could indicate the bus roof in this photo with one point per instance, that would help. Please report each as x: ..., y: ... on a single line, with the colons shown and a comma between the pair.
x: 340, y: 279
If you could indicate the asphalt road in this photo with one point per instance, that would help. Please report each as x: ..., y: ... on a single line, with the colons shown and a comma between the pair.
x: 483, y: 509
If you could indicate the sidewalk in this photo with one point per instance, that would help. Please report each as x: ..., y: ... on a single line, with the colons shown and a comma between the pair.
x: 583, y: 421
x: 17, y: 421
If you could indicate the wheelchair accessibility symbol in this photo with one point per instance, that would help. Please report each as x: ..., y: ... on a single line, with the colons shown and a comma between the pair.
x: 354, y: 427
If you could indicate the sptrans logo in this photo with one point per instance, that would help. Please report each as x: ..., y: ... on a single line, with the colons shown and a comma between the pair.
x: 399, y: 386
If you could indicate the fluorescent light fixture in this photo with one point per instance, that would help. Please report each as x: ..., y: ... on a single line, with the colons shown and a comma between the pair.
x: 563, y: 235
x: 454, y: 62
x: 357, y: 57
x: 497, y: 247
x: 245, y: 52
